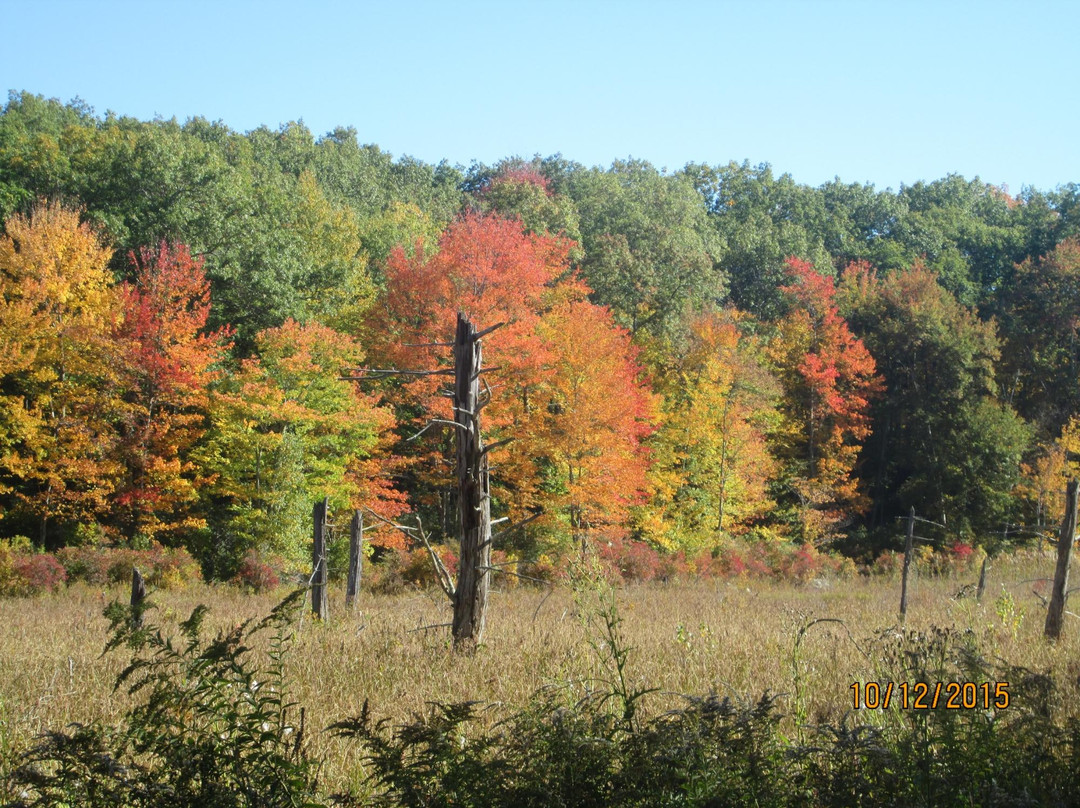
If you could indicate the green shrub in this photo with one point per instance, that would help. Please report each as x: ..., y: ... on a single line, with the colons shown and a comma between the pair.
x: 212, y: 730
x: 716, y: 752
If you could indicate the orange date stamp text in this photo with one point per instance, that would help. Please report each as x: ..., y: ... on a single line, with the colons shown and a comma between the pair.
x: 931, y: 695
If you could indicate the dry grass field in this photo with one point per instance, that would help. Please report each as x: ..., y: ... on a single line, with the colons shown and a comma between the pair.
x: 737, y: 637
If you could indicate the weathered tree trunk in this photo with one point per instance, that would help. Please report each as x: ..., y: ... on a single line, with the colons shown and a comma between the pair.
x: 356, y: 558
x: 319, y: 604
x: 909, y: 544
x: 474, y: 502
x: 1056, y: 611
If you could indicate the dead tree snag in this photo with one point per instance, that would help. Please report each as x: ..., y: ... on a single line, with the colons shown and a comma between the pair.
x: 474, y: 492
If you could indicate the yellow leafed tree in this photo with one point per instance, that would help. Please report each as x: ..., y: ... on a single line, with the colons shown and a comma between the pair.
x: 711, y: 466
x: 57, y: 309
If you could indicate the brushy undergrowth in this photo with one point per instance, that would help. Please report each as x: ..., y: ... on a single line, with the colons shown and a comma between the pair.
x: 212, y: 729
x: 212, y: 725
x: 714, y: 751
x: 25, y: 572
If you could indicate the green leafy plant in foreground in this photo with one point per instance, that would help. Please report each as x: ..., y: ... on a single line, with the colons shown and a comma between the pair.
x: 714, y: 751
x: 211, y: 730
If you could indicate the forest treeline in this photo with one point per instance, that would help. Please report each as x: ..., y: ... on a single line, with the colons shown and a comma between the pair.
x: 691, y: 360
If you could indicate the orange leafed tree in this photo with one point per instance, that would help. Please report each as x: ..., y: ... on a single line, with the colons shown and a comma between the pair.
x: 594, y: 413
x: 1045, y: 478
x: 552, y: 340
x: 829, y: 379
x: 487, y: 267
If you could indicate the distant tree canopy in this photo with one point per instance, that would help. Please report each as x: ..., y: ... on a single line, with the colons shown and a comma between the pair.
x: 690, y: 359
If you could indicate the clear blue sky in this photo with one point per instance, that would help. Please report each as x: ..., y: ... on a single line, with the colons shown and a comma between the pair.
x: 882, y: 92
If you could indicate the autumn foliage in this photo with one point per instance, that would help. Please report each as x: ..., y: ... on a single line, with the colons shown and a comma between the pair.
x: 287, y: 430
x: 594, y: 413
x: 167, y: 363
x: 57, y: 308
x: 712, y: 464
x: 830, y: 379
x: 567, y: 388
x: 132, y: 418
x: 124, y: 418
x: 182, y: 324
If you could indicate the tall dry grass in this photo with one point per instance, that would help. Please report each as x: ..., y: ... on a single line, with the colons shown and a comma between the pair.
x: 738, y: 638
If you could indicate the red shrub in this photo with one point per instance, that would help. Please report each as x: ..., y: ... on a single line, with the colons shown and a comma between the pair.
x: 630, y: 560
x: 167, y: 568
x: 171, y: 568
x: 255, y: 574
x: 417, y: 567
x: 34, y: 574
x: 505, y: 566
x: 732, y: 563
x: 542, y: 570
x: 769, y: 559
x: 803, y: 564
x: 961, y: 552
x: 888, y: 563
x: 760, y: 560
x: 88, y: 564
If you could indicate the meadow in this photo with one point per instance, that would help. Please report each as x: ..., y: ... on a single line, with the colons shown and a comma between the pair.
x: 739, y: 638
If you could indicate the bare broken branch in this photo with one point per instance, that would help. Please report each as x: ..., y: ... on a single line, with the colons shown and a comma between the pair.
x: 445, y: 581
x: 406, y: 529
x: 432, y: 423
x: 483, y: 402
x: 487, y: 330
x: 496, y: 445
x: 516, y: 574
x: 516, y: 526
x: 376, y: 372
x: 920, y: 519
x: 429, y: 627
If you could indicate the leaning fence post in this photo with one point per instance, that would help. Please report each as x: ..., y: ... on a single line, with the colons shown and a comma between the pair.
x: 908, y: 544
x: 356, y: 558
x: 319, y: 603
x: 1056, y: 610
x: 982, y: 580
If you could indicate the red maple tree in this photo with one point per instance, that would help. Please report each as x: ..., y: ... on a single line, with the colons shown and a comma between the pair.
x: 167, y: 362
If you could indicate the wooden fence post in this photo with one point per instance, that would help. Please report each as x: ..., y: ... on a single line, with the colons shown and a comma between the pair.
x: 138, y: 595
x: 982, y: 580
x: 1055, y: 612
x: 319, y: 604
x: 356, y: 558
x: 908, y: 546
